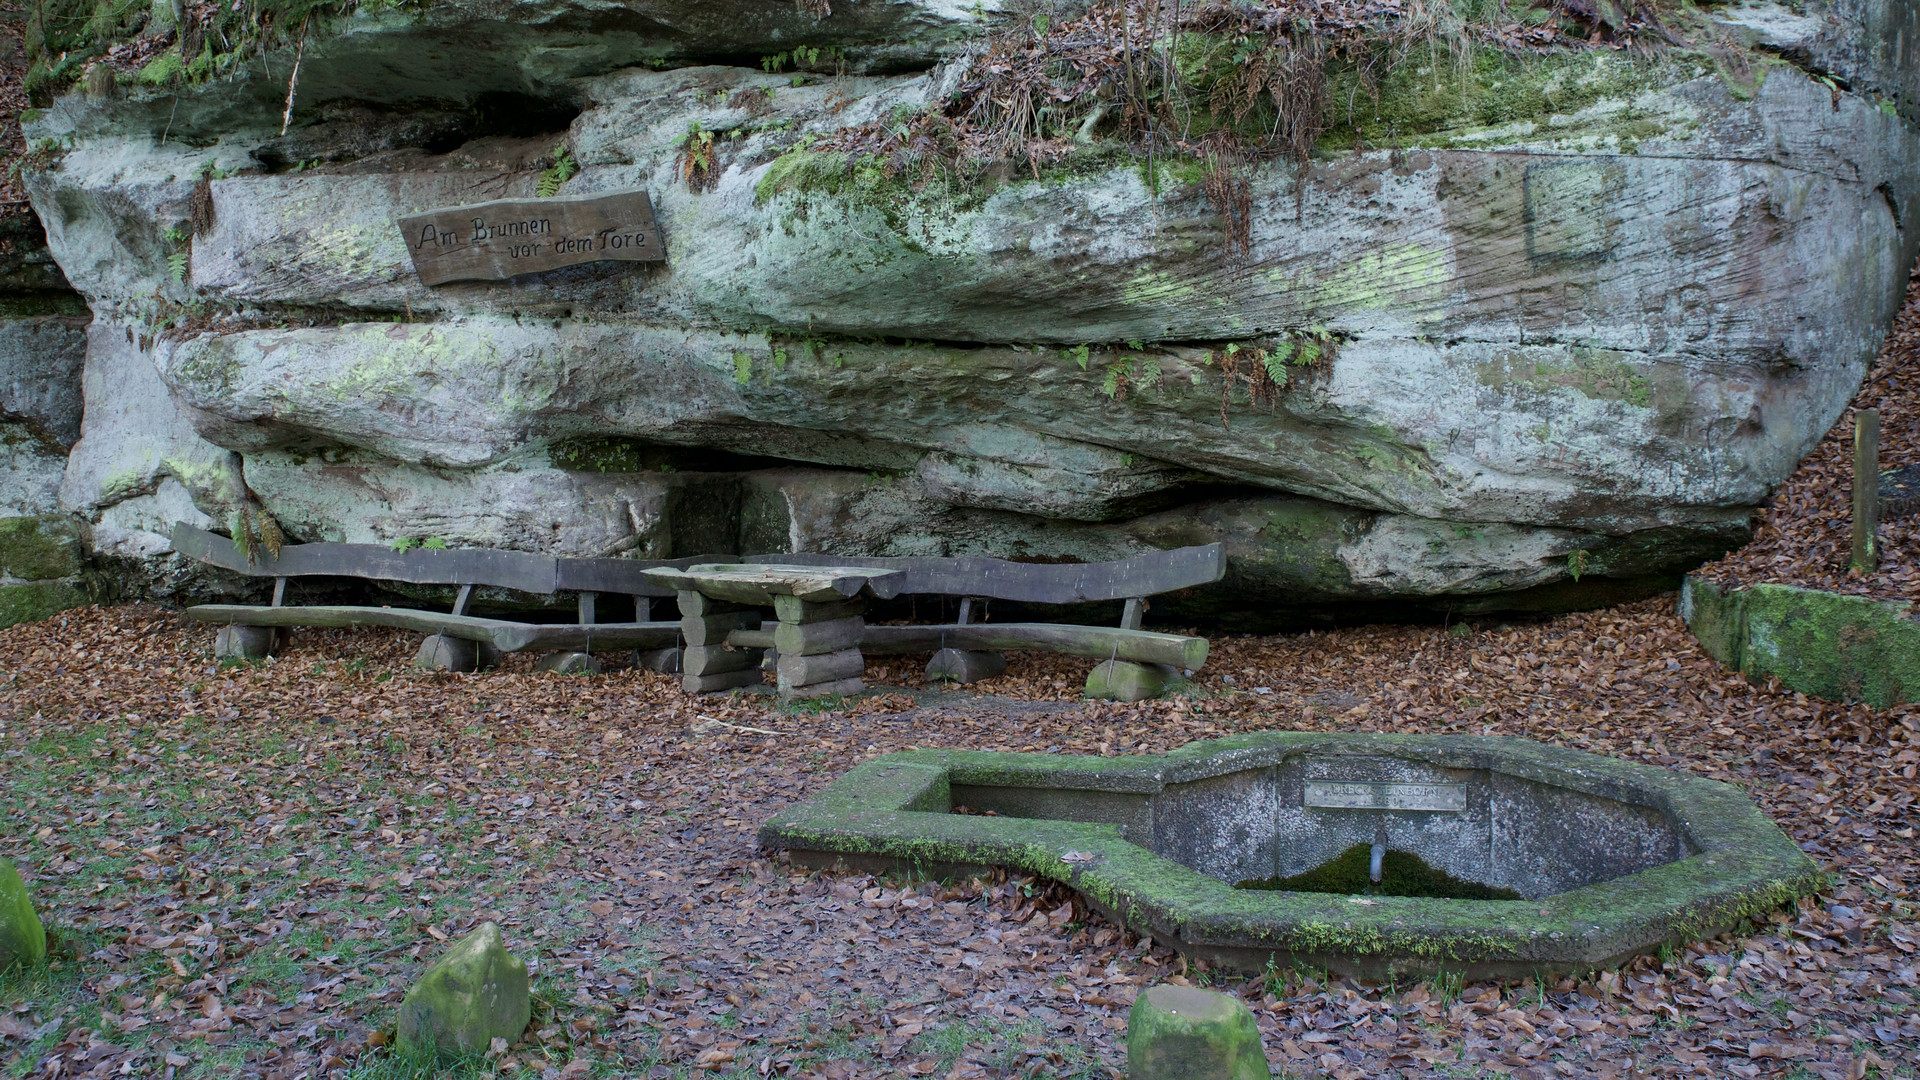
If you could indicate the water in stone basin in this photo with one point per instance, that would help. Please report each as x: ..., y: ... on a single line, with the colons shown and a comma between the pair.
x: 1403, y: 874
x: 1301, y: 819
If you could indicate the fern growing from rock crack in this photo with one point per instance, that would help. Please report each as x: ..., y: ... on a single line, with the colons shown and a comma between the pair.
x: 563, y: 169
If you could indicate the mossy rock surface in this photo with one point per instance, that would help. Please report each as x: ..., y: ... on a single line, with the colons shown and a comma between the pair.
x: 474, y: 994
x: 22, y: 939
x: 38, y: 548
x: 1827, y: 645
x: 1185, y: 1033
x: 38, y: 600
x: 1401, y: 874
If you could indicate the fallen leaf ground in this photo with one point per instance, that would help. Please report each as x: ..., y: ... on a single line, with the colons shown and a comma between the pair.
x: 1804, y: 536
x: 244, y: 865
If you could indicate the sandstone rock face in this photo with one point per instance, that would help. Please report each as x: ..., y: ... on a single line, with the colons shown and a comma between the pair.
x: 1568, y: 350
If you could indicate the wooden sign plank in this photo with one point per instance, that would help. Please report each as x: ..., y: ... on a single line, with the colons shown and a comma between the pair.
x: 492, y: 241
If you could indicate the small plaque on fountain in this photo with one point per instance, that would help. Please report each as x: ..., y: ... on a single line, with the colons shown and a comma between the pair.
x: 494, y: 241
x: 1371, y: 795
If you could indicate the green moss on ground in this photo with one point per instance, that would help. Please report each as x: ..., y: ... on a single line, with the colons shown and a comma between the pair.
x: 1401, y: 874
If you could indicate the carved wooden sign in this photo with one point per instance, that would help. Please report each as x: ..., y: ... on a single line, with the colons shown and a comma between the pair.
x: 492, y: 241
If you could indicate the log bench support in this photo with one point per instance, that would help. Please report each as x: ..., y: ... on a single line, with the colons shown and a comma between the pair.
x: 963, y: 666
x: 819, y: 647
x: 249, y: 642
x: 1124, y: 680
x: 707, y: 664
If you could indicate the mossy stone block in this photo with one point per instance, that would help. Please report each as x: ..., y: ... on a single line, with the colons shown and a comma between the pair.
x: 37, y: 600
x: 1185, y: 1033
x: 1827, y: 645
x: 474, y: 994
x: 1120, y: 680
x: 39, y: 548
x: 22, y: 939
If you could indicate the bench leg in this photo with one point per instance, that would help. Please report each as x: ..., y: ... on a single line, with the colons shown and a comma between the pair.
x: 249, y: 642
x: 569, y: 663
x: 965, y: 666
x: 1119, y: 680
x: 438, y: 652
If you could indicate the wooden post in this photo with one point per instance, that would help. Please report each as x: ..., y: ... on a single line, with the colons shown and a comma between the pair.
x: 1866, y: 490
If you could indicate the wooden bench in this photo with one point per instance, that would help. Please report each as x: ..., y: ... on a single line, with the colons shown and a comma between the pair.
x: 1136, y: 663
x: 456, y: 641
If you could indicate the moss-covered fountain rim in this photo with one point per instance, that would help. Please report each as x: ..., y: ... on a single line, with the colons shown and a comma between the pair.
x: 895, y: 811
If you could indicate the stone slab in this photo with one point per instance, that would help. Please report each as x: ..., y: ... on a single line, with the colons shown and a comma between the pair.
x: 696, y: 605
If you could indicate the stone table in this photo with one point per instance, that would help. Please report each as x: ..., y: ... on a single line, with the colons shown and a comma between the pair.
x: 817, y: 641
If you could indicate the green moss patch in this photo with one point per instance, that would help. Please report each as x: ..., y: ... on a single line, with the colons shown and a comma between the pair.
x: 1841, y: 648
x: 1402, y: 873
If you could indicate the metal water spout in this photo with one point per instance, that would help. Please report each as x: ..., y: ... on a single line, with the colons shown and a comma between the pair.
x: 1376, y: 865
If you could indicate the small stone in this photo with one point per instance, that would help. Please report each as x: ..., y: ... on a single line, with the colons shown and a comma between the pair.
x: 248, y: 642
x: 439, y: 652
x: 1119, y: 680
x: 569, y: 663
x: 22, y: 939
x: 474, y: 994
x: 1185, y: 1033
x: 665, y: 661
x: 965, y: 665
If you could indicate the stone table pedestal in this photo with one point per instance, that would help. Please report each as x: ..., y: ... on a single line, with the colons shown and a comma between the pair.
x: 817, y: 639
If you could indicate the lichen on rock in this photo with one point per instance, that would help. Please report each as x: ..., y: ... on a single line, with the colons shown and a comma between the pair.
x: 475, y: 993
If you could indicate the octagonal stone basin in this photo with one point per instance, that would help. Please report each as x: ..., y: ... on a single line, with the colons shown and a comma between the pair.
x: 1610, y: 859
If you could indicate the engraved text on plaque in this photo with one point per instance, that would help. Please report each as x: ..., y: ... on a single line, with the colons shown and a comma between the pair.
x: 1369, y: 795
x: 492, y: 241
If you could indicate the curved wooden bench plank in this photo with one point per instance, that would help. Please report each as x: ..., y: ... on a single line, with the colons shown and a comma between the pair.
x: 1148, y: 574
x: 1099, y: 642
x: 587, y: 637
x: 520, y: 570
x: 505, y: 635
x: 624, y: 576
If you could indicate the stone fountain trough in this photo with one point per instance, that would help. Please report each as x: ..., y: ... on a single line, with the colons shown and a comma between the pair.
x: 1607, y: 859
